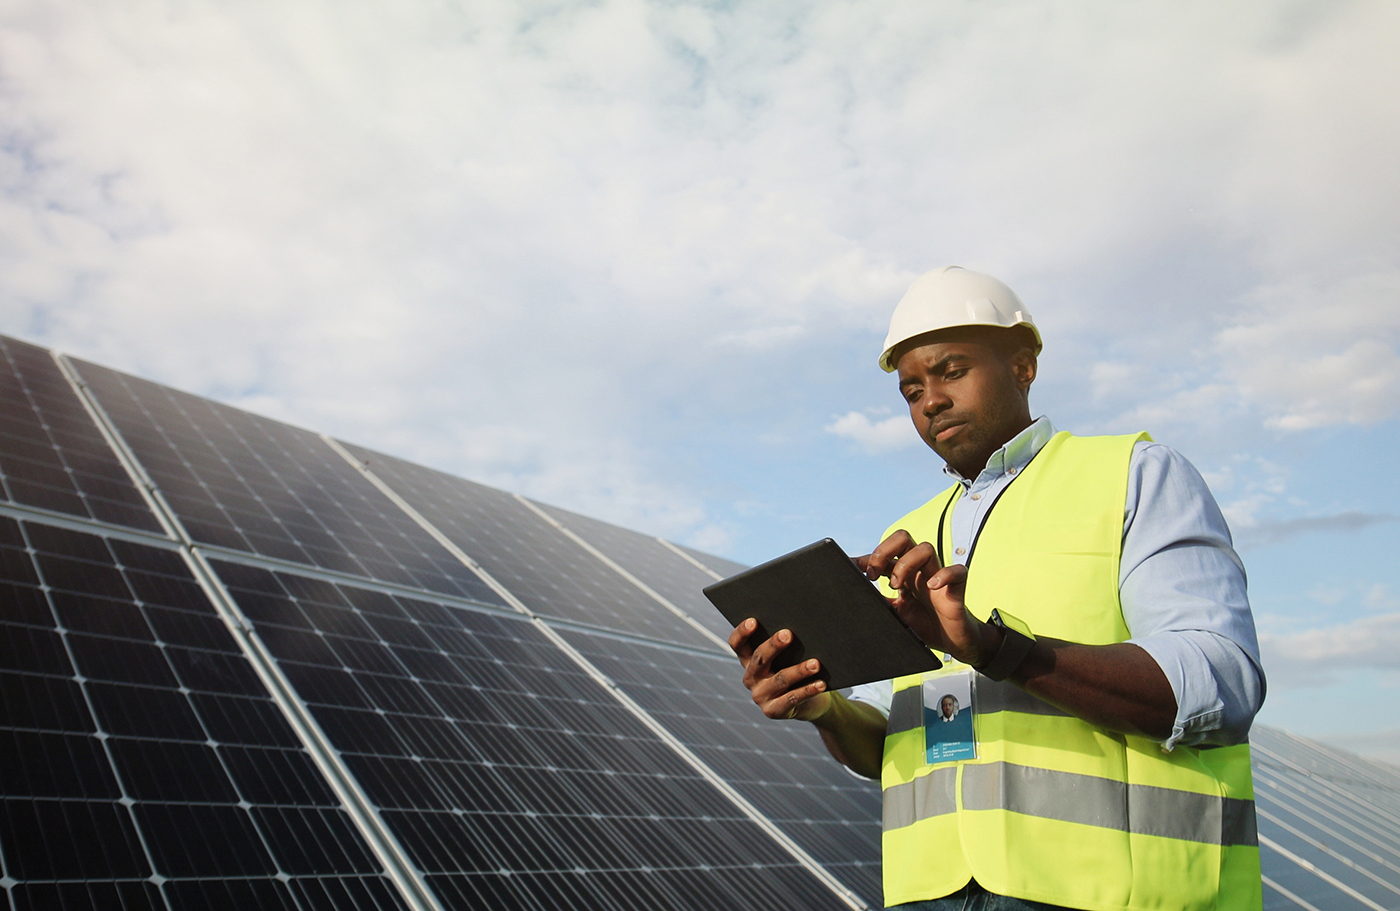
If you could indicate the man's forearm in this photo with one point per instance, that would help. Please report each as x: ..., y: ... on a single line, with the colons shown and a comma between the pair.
x: 1119, y: 687
x: 854, y: 733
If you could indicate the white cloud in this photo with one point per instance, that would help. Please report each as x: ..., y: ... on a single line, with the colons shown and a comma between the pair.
x: 552, y: 246
x: 1311, y: 657
x: 1319, y: 353
x: 882, y: 435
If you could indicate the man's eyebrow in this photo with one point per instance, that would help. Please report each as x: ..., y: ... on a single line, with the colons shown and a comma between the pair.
x: 943, y: 363
x: 939, y: 366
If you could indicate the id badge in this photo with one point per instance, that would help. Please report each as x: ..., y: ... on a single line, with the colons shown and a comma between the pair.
x: 948, y: 711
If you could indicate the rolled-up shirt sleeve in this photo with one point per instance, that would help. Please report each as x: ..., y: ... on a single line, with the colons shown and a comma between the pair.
x: 1184, y: 599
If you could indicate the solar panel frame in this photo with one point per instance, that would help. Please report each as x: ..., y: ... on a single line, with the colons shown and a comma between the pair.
x: 479, y: 800
x: 781, y: 768
x: 52, y: 454
x: 119, y: 754
x: 652, y: 562
x: 244, y: 483
x: 511, y: 542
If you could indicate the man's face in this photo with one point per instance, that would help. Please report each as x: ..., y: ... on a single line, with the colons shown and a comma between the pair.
x: 965, y: 398
x: 949, y: 706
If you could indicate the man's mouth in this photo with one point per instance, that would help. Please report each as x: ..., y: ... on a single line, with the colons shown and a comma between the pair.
x: 946, y: 431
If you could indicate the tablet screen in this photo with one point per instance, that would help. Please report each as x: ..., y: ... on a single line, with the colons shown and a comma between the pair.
x: 836, y: 616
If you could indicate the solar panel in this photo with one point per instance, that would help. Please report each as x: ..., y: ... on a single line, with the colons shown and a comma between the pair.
x: 508, y: 774
x: 551, y: 574
x: 247, y: 483
x: 718, y: 565
x: 52, y: 455
x: 657, y: 565
x: 143, y: 763
x: 782, y: 768
x: 1329, y: 825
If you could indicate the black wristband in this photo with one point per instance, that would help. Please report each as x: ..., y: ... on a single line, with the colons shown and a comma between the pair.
x: 1015, y: 646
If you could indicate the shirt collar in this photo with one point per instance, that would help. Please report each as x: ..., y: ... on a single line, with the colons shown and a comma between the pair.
x: 1015, y: 455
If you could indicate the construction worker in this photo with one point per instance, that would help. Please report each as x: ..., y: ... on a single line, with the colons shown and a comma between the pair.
x: 1103, y: 628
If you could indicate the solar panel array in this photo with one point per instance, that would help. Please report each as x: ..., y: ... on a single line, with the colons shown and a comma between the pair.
x: 243, y: 665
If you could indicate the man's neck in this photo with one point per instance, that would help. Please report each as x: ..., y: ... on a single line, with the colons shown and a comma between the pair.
x: 1013, y: 455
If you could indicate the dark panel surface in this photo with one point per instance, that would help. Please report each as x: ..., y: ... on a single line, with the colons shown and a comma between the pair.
x: 1329, y: 824
x: 253, y: 484
x: 780, y: 767
x: 653, y: 563
x: 553, y: 575
x: 142, y: 764
x: 725, y: 568
x: 51, y: 453
x: 511, y: 778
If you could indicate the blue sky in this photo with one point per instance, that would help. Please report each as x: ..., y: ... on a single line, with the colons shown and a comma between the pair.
x: 637, y: 259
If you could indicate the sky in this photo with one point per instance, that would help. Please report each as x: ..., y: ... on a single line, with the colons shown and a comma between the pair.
x: 637, y: 259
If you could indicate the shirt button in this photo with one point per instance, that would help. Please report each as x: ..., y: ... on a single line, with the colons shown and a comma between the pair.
x: 977, y: 496
x: 1011, y: 471
x: 960, y: 551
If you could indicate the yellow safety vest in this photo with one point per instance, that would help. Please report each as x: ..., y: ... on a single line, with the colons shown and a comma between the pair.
x: 1055, y: 809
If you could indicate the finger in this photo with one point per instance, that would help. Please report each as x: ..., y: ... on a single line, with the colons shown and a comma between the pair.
x: 921, y: 558
x: 789, y: 703
x: 762, y: 657
x: 796, y: 698
x: 769, y: 648
x: 949, y: 576
x: 779, y: 683
x: 880, y: 560
x: 739, y: 639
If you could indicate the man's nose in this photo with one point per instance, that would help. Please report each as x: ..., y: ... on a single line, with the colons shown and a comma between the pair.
x: 935, y: 402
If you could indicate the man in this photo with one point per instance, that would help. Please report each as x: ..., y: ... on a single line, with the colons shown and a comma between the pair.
x: 949, y: 708
x: 1105, y: 617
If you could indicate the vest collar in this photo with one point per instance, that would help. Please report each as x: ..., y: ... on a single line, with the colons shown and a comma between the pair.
x: 1012, y: 457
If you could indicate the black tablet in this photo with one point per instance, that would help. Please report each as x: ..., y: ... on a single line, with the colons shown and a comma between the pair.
x: 836, y: 616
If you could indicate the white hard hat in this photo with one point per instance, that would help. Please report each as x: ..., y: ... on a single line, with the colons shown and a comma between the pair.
x: 953, y: 296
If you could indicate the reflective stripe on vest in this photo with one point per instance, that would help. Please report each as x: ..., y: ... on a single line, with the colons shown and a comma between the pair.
x: 1054, y: 809
x: 1082, y: 799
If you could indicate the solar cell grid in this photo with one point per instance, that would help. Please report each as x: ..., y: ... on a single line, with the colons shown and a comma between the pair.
x: 653, y: 563
x: 252, y: 484
x: 512, y: 543
x: 498, y: 764
x: 1329, y: 824
x: 724, y: 568
x: 782, y: 769
x: 126, y: 776
x: 52, y: 455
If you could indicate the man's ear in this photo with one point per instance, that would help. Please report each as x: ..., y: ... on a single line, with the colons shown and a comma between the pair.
x: 1023, y: 366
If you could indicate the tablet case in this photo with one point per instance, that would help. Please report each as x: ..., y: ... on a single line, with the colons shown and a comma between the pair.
x: 836, y: 616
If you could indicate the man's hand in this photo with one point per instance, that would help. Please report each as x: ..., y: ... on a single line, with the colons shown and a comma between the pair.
x: 853, y: 732
x: 929, y: 598
x: 1119, y: 686
x: 788, y: 693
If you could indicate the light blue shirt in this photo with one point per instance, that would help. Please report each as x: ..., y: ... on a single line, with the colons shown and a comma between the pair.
x: 1180, y: 582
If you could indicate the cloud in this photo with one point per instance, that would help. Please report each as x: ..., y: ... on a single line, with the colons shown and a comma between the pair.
x: 884, y: 435
x: 583, y: 250
x: 1265, y: 533
x: 1318, y: 656
x: 1314, y: 353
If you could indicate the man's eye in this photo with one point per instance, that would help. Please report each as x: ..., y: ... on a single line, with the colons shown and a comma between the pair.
x: 955, y: 373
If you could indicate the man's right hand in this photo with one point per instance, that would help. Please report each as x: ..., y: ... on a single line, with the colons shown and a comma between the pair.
x: 788, y: 693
